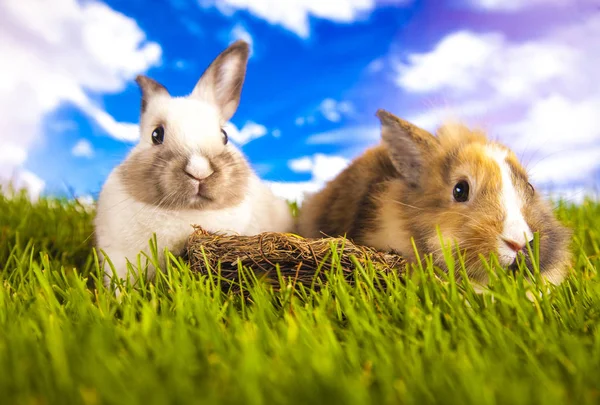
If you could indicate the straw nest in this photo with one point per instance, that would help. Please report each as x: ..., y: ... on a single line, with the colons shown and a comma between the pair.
x: 301, y: 260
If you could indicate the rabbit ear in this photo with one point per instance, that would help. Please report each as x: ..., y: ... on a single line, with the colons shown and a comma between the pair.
x: 221, y: 83
x: 408, y: 146
x: 149, y: 88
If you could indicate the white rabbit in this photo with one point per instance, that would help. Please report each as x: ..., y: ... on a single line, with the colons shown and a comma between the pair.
x: 184, y: 172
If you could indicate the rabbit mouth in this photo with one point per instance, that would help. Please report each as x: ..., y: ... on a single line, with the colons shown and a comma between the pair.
x: 514, y: 266
x: 201, y: 188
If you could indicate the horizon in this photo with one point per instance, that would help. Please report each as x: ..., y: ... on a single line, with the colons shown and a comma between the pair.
x: 318, y: 71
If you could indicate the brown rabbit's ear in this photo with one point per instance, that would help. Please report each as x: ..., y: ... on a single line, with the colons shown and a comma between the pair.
x: 221, y: 83
x: 149, y: 88
x: 408, y: 146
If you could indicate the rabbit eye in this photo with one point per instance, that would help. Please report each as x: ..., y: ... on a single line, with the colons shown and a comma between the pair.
x: 461, y: 191
x: 158, y: 135
x: 225, y: 137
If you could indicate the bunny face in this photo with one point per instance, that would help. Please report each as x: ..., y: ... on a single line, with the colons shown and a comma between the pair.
x: 478, y: 194
x: 184, y: 158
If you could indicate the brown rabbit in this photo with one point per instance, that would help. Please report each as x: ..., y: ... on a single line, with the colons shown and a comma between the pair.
x: 474, y: 189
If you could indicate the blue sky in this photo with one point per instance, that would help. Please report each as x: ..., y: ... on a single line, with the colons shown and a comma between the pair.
x: 319, y: 70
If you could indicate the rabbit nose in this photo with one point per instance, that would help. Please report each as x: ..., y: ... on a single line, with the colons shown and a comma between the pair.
x: 516, y: 246
x: 198, y: 168
x: 195, y: 177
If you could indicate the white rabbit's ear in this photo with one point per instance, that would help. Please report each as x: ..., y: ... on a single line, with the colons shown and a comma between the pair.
x: 150, y: 88
x: 221, y: 83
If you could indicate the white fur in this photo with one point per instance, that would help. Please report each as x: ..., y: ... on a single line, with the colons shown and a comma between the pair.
x: 192, y: 125
x: 125, y: 226
x: 515, y: 227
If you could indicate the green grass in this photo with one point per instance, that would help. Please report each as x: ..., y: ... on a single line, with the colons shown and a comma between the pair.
x: 184, y: 341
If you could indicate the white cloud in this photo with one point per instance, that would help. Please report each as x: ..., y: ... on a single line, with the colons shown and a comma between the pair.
x: 276, y: 133
x: 122, y: 131
x: 465, y: 63
x: 23, y: 180
x: 566, y: 167
x: 294, y: 191
x: 192, y: 26
x: 534, y: 95
x: 12, y: 155
x: 558, y: 123
x: 12, y: 158
x: 322, y: 167
x: 249, y: 132
x: 451, y: 64
x: 327, y: 167
x: 240, y: 32
x: 363, y: 135
x: 468, y: 112
x: 86, y: 200
x: 181, y: 64
x: 294, y: 15
x: 32, y: 183
x: 301, y: 165
x: 514, y: 5
x: 565, y: 136
x: 376, y: 66
x: 57, y: 52
x: 329, y: 110
x: 574, y: 194
x: 83, y: 148
x: 333, y: 110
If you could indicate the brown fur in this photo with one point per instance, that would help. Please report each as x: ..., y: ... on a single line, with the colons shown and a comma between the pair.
x: 225, y: 94
x: 157, y: 177
x: 403, y: 188
x: 149, y: 88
